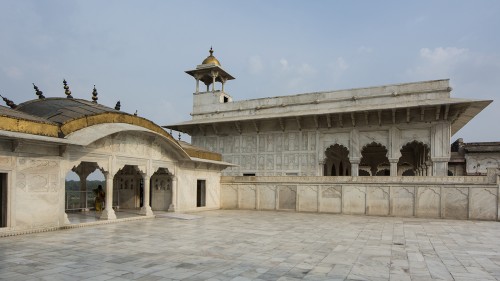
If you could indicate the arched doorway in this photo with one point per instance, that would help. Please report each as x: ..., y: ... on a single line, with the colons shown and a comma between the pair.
x: 374, y: 158
x: 415, y: 155
x: 80, y: 185
x: 161, y: 190
x: 128, y: 188
x: 337, y: 161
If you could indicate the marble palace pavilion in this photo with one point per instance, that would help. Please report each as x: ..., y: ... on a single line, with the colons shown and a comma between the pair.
x: 382, y: 151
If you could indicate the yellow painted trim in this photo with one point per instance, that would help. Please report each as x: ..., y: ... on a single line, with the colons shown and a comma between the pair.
x: 203, y: 154
x: 29, y: 127
x: 111, y: 117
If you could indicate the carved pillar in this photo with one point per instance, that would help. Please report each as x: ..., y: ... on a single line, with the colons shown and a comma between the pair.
x: 173, y: 206
x: 83, y: 191
x: 108, y: 213
x: 214, y: 75
x: 394, y: 167
x: 197, y: 85
x: 321, y: 168
x: 354, y: 167
x: 146, y: 206
x: 440, y: 148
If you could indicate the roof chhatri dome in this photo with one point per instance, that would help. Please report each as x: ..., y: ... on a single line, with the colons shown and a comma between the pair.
x: 211, y: 59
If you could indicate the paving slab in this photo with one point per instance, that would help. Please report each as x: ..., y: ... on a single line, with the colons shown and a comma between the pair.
x: 258, y: 245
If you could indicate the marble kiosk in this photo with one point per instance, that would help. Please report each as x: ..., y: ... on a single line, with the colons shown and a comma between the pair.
x: 145, y: 168
x: 378, y: 151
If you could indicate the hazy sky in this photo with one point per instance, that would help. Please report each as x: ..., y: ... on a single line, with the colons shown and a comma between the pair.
x: 137, y: 51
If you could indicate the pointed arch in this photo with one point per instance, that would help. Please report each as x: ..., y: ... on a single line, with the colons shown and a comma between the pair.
x: 337, y: 161
x: 373, y: 156
x: 417, y: 155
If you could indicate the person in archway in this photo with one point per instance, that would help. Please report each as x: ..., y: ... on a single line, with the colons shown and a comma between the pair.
x: 99, y: 198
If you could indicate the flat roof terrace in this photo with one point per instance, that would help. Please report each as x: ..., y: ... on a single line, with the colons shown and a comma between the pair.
x: 259, y: 245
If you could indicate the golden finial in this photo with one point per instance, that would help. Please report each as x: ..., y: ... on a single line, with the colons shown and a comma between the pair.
x: 8, y: 102
x: 66, y: 89
x: 211, y: 51
x: 94, y: 95
x: 118, y: 105
x: 135, y: 114
x: 38, y: 92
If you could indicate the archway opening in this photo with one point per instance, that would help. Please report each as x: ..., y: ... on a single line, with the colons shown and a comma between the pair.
x: 81, y: 184
x: 128, y: 191
x: 161, y: 190
x: 337, y: 161
x: 414, y: 156
x: 374, y: 159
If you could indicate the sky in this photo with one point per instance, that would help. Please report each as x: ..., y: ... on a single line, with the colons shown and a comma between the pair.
x: 137, y: 51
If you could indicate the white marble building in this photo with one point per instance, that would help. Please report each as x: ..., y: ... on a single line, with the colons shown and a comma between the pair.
x: 320, y: 152
x: 145, y: 168
x: 386, y: 130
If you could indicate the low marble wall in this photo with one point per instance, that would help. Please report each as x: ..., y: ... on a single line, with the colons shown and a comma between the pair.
x: 429, y: 197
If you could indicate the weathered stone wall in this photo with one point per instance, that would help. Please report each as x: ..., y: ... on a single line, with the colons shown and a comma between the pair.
x: 429, y: 197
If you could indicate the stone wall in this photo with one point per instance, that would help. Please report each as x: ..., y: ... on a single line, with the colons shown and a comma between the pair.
x: 429, y: 197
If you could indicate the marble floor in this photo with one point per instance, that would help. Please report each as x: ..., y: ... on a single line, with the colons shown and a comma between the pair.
x: 259, y: 245
x: 93, y: 216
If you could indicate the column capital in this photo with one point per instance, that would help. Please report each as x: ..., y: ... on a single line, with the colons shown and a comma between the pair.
x: 393, y: 160
x: 354, y: 160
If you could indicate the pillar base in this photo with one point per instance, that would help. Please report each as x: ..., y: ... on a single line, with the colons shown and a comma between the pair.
x: 108, y: 214
x: 146, y: 211
x: 171, y: 208
x: 66, y: 220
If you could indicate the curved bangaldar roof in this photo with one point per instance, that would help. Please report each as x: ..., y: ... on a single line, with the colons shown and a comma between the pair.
x: 61, y: 110
x: 74, y: 114
x: 63, y: 117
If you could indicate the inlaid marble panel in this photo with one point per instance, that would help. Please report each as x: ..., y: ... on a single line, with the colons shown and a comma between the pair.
x: 267, y: 197
x: 354, y: 199
x: 456, y: 201
x: 483, y: 203
x: 308, y: 198
x: 402, y: 201
x: 331, y: 199
x: 229, y: 197
x: 247, y: 197
x: 287, y: 197
x: 377, y: 201
x: 428, y: 202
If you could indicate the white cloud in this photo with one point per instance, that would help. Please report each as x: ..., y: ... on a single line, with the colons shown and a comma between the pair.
x: 444, y: 55
x: 440, y: 62
x: 255, y: 64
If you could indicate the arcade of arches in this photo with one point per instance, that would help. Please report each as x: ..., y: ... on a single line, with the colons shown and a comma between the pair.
x: 414, y: 161
x: 129, y: 189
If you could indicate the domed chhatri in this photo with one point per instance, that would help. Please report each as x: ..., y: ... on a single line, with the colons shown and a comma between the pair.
x: 209, y: 72
x: 211, y: 59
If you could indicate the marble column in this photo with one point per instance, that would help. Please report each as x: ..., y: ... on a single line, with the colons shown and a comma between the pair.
x: 354, y: 167
x: 108, y: 213
x: 173, y: 206
x: 429, y: 168
x: 83, y: 191
x: 394, y: 167
x: 146, y: 206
